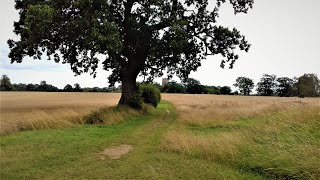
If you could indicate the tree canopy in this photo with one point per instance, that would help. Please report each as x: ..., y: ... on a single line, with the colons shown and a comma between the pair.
x: 308, y: 85
x: 245, y: 85
x: 77, y: 88
x: 145, y: 37
x: 267, y: 85
x: 194, y: 86
x: 225, y: 90
x: 5, y: 83
x: 174, y: 87
x: 68, y: 88
x: 285, y: 87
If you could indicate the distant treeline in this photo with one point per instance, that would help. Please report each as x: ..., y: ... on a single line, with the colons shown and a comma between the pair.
x: 45, y: 87
x: 307, y: 85
x: 193, y: 86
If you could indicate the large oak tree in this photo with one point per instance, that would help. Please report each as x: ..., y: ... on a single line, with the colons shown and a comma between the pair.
x: 137, y: 37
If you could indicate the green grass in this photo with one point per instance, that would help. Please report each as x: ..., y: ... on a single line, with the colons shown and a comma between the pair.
x: 74, y: 153
x: 286, y: 147
x: 283, y: 144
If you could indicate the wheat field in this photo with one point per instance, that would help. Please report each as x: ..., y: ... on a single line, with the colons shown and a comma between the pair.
x: 41, y: 110
x: 208, y: 109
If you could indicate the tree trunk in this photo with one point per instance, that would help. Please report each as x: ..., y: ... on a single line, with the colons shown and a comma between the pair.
x: 129, y: 87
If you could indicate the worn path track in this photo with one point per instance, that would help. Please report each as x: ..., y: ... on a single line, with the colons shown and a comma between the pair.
x: 77, y: 153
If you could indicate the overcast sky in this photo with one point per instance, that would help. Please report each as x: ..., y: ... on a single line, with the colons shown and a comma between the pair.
x: 284, y: 35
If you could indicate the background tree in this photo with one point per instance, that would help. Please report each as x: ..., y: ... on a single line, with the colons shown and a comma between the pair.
x: 213, y: 90
x: 285, y: 87
x: 42, y: 86
x: 308, y: 85
x: 51, y: 88
x: 267, y: 85
x: 193, y: 86
x: 174, y: 87
x: 77, y: 88
x: 68, y: 88
x: 31, y: 87
x: 5, y: 83
x: 295, y: 87
x: 137, y: 36
x: 19, y: 87
x: 226, y: 90
x: 245, y: 85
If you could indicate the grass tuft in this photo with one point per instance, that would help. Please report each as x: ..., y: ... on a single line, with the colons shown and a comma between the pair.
x: 113, y: 115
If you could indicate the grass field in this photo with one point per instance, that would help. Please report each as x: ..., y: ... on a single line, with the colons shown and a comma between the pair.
x: 186, y: 137
x: 272, y: 136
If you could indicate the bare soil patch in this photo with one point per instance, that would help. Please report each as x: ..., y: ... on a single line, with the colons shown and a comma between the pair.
x: 116, y: 152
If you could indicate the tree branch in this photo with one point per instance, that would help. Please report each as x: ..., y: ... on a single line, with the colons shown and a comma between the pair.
x: 166, y: 23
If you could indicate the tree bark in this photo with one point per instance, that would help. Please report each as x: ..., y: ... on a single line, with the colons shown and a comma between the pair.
x: 129, y: 87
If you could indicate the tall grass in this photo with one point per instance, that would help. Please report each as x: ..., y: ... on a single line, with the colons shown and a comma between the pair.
x: 275, y: 137
x: 40, y: 110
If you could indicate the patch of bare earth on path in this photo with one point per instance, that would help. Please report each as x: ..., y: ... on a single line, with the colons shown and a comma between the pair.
x: 121, y: 150
x: 116, y: 152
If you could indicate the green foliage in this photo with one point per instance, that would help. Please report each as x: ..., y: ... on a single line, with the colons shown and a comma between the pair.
x: 31, y: 87
x: 157, y: 85
x: 68, y: 88
x: 77, y: 88
x: 136, y: 99
x: 5, y: 83
x: 213, y: 90
x: 226, y: 90
x: 245, y: 85
x: 267, y: 85
x: 194, y: 86
x: 285, y: 87
x: 46, y: 87
x: 174, y: 87
x: 150, y: 94
x: 19, y: 87
x: 308, y: 85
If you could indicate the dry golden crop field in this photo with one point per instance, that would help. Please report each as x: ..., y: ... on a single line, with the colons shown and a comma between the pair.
x: 206, y: 109
x: 39, y: 110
